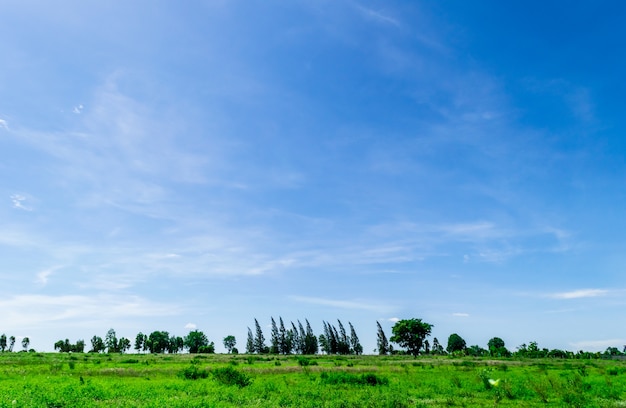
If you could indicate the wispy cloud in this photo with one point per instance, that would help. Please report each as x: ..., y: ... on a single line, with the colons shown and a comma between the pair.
x: 340, y: 304
x: 4, y: 125
x: 377, y: 15
x: 78, y: 109
x: 19, y: 201
x: 191, y: 326
x: 581, y: 293
x: 42, y: 277
x: 460, y: 314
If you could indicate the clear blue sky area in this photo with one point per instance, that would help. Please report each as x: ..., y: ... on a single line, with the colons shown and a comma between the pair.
x: 172, y: 165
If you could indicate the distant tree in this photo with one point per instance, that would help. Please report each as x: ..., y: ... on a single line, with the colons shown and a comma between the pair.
x: 343, y: 346
x: 426, y: 347
x: 382, y: 344
x: 123, y: 345
x: 11, y: 343
x: 496, y: 348
x: 437, y: 348
x: 25, y: 343
x: 158, y: 342
x: 410, y: 334
x: 229, y: 343
x: 110, y: 341
x: 175, y: 344
x: 79, y: 347
x: 250, y: 342
x: 97, y: 345
x: 194, y: 340
x: 259, y: 340
x: 356, y: 346
x: 476, y: 351
x: 274, y: 346
x: 208, y: 349
x: 140, y: 342
x: 285, y: 339
x: 456, y: 343
x: 310, y: 341
x: 3, y: 342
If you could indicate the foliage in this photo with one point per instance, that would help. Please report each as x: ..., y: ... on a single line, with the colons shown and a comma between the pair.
x: 455, y: 344
x: 193, y: 373
x: 195, y: 340
x: 410, y: 334
x: 352, y: 379
x: 229, y: 343
x: 230, y: 376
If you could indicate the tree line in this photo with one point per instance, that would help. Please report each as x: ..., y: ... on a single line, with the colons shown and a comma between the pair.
x: 409, y: 335
x: 8, y: 343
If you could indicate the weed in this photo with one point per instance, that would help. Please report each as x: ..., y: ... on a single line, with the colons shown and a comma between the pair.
x: 193, y: 373
x: 230, y: 376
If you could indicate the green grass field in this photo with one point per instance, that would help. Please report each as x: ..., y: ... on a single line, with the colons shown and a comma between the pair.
x: 101, y: 380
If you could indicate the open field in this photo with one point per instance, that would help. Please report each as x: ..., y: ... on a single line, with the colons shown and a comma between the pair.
x: 99, y: 380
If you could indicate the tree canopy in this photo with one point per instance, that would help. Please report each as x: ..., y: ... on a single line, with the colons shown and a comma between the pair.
x: 410, y: 334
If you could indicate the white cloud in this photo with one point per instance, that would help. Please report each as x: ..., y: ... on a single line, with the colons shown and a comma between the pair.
x: 78, y: 109
x: 394, y: 319
x: 42, y: 277
x: 18, y: 202
x: 343, y: 304
x: 3, y: 124
x: 581, y: 293
x: 191, y: 326
x: 460, y: 314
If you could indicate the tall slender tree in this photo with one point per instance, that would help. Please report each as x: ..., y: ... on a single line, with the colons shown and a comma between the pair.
x: 310, y: 341
x: 11, y: 343
x: 250, y: 342
x: 354, y: 341
x: 3, y: 342
x: 382, y: 343
x: 259, y: 340
x: 274, y: 339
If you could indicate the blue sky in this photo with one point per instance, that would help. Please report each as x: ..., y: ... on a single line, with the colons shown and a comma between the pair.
x: 169, y: 166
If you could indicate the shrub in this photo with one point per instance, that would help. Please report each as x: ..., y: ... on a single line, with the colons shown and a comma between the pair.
x: 193, y: 373
x: 230, y: 376
x: 335, y: 378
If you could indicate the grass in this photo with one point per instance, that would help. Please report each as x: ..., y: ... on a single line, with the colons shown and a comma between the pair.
x: 101, y: 380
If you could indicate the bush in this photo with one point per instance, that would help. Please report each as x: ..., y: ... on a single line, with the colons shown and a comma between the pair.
x: 193, y: 373
x: 335, y: 378
x: 230, y: 376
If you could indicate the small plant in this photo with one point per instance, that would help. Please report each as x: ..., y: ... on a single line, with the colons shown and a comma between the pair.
x: 193, y: 373
x: 231, y: 376
x: 303, y: 361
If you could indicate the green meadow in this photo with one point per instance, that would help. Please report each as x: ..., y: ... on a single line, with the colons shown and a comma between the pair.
x: 186, y: 380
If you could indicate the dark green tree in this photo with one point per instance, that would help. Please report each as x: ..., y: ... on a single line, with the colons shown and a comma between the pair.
x: 343, y: 343
x: 274, y: 339
x: 140, y: 342
x: 3, y: 342
x: 194, y: 340
x: 123, y: 345
x: 355, y: 345
x: 410, y: 334
x: 285, y: 339
x: 456, y: 344
x: 97, y: 345
x: 310, y: 345
x: 11, y: 343
x: 437, y: 348
x: 497, y: 348
x: 229, y: 343
x: 250, y: 342
x: 382, y: 344
x: 158, y: 342
x: 110, y: 341
x: 259, y: 340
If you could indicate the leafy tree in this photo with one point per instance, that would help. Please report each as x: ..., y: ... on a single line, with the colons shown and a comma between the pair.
x: 437, y: 348
x: 97, y: 345
x: 354, y: 341
x: 382, y: 344
x: 343, y: 343
x: 194, y: 340
x: 456, y: 343
x: 140, y: 342
x: 259, y: 340
x: 426, y: 347
x: 476, y: 351
x: 285, y: 340
x: 175, y: 344
x: 158, y: 342
x: 496, y: 347
x: 110, y: 341
x: 410, y: 334
x: 123, y: 345
x: 229, y: 343
x: 208, y: 349
x: 323, y: 343
x: 11, y: 343
x: 3, y: 342
x: 25, y: 343
x: 250, y: 342
x: 79, y: 347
